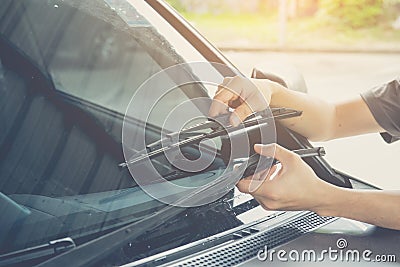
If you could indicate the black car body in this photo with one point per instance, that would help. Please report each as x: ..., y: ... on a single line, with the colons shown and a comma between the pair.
x: 68, y: 70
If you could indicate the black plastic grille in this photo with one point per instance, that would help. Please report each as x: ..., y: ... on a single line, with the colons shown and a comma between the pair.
x: 248, y: 248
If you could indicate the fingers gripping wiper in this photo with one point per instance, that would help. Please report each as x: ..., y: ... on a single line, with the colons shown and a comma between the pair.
x: 255, y: 160
x: 218, y: 126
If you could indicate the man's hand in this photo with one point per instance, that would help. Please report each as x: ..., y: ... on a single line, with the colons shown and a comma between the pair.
x: 294, y: 187
x: 244, y: 95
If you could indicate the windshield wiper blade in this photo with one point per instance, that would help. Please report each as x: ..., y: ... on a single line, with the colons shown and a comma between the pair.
x: 51, y: 249
x: 219, y: 127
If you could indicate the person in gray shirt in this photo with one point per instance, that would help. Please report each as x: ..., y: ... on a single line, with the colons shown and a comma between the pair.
x: 384, y: 103
x: 294, y: 185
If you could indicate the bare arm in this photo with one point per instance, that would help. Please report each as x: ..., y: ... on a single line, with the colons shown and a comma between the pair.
x: 321, y: 120
x: 379, y: 208
x: 296, y: 187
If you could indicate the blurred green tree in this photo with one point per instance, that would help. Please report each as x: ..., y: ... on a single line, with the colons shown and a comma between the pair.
x: 353, y: 13
x: 178, y: 5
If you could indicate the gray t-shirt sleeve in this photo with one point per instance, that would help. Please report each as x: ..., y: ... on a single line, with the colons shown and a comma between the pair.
x: 384, y: 104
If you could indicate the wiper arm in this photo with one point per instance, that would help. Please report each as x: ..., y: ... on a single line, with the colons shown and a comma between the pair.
x: 219, y: 127
x: 257, y: 160
x: 51, y: 249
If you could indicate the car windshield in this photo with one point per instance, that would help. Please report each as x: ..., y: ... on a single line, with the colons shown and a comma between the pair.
x: 68, y: 70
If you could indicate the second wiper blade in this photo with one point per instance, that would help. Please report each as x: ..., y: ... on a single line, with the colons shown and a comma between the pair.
x: 53, y: 248
x: 219, y: 126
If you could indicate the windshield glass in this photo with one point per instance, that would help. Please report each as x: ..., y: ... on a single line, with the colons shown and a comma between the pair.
x: 68, y: 70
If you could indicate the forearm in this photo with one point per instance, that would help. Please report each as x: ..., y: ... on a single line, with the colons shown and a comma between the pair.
x: 318, y: 116
x: 381, y: 208
x: 322, y: 120
x: 353, y: 117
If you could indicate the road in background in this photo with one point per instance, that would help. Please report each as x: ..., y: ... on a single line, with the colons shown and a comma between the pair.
x: 337, y: 77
